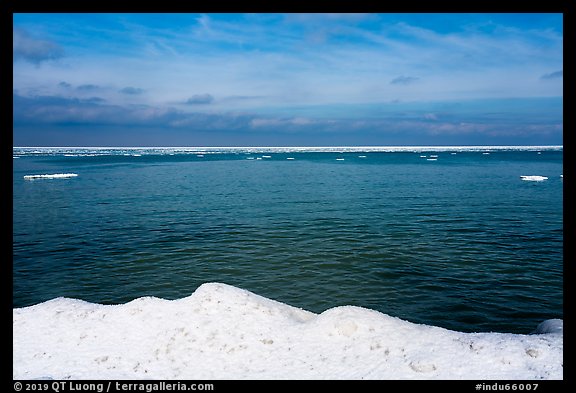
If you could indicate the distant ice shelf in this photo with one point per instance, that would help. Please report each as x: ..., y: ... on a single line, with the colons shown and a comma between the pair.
x: 200, y: 150
x: 223, y: 332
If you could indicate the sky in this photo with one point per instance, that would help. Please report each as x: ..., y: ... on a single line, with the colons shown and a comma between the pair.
x: 287, y: 79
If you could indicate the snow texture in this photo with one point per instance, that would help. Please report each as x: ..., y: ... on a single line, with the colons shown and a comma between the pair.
x: 223, y: 332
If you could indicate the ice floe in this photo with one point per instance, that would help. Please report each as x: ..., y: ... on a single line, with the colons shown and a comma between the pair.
x: 53, y: 176
x: 534, y: 178
x: 223, y: 332
x: 550, y: 326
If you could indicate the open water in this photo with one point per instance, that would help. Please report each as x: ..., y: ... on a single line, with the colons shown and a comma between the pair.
x: 459, y: 240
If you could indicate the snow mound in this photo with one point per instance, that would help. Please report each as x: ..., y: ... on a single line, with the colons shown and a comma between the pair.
x: 223, y: 332
x: 555, y: 326
x: 54, y: 176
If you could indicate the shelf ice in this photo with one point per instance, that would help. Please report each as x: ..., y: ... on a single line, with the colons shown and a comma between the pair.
x: 135, y: 151
x: 223, y: 332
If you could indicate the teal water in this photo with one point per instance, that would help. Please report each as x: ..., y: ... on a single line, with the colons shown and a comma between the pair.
x: 460, y: 242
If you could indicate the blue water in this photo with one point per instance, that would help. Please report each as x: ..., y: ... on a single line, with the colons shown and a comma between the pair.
x: 461, y: 242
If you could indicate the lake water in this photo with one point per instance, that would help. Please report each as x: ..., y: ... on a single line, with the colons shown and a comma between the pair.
x: 458, y: 240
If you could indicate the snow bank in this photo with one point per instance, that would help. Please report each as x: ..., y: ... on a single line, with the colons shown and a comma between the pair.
x: 222, y: 332
x: 534, y: 178
x: 54, y: 176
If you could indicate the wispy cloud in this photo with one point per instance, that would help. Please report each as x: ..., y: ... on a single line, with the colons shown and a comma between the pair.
x: 131, y: 90
x: 200, y: 99
x: 430, y: 116
x: 271, y: 55
x: 25, y: 47
x: 87, y: 87
x: 404, y: 80
x: 553, y: 75
x: 296, y: 73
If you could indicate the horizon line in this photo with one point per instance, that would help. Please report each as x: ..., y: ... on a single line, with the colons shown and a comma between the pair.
x: 289, y: 147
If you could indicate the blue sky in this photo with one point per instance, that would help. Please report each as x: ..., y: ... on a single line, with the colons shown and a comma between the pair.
x: 287, y: 79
